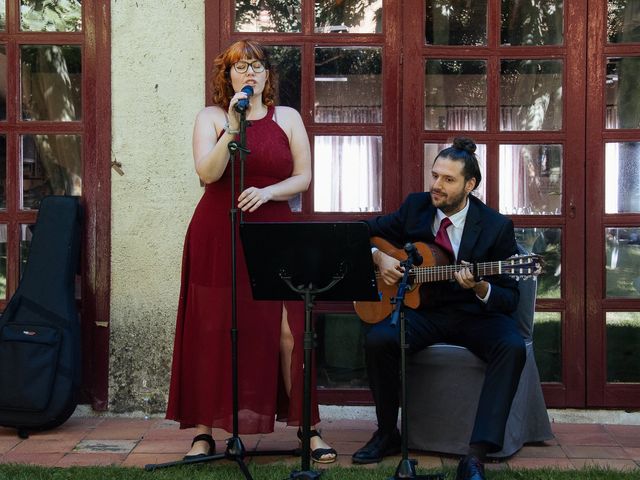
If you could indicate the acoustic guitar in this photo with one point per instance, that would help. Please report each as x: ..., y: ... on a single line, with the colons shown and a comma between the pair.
x: 435, y: 267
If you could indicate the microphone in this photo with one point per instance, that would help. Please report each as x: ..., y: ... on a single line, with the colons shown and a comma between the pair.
x: 243, y: 103
x: 414, y: 256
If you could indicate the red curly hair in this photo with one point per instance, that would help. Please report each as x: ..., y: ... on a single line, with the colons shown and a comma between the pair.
x: 221, y: 80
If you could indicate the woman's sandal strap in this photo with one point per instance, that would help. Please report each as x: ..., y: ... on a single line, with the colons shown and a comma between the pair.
x: 318, y: 453
x: 205, y: 437
x: 312, y: 433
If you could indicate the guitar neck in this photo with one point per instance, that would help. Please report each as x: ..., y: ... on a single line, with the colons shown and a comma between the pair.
x: 445, y: 272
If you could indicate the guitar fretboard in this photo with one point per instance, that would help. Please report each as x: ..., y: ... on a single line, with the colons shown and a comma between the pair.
x: 445, y: 272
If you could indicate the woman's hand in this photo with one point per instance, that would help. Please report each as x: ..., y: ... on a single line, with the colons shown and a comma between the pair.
x: 251, y: 199
x: 234, y: 116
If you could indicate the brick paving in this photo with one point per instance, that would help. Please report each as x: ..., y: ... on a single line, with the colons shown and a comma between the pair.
x: 135, y: 442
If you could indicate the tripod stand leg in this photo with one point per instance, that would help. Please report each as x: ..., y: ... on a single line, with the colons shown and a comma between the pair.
x: 150, y: 467
x: 244, y: 469
x: 304, y: 475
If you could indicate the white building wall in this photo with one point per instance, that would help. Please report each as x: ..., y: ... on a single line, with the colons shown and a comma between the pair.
x: 158, y: 86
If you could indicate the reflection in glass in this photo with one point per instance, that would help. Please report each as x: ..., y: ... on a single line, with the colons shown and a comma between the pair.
x: 622, y: 177
x: 348, y: 85
x: 287, y: 64
x: 547, y: 243
x: 360, y: 16
x: 3, y: 172
x: 51, y: 16
x: 537, y: 22
x: 340, y: 351
x: 531, y: 95
x: 622, y: 91
x: 3, y: 83
x: 268, y: 16
x: 455, y: 23
x: 26, y: 233
x: 547, y: 345
x: 3, y: 15
x: 50, y: 165
x: 455, y: 95
x: 622, y: 257
x: 432, y: 149
x: 623, y: 338
x: 3, y: 261
x: 51, y: 78
x: 623, y: 17
x: 531, y: 179
x: 347, y: 174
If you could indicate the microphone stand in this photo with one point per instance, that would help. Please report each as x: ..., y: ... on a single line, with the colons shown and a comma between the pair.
x: 235, y: 449
x: 406, y: 467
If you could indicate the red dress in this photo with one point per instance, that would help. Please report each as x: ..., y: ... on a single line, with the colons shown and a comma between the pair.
x: 201, y: 389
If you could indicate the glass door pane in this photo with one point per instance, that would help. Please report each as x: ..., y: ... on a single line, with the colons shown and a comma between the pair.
x: 50, y: 165
x: 531, y: 95
x: 455, y: 95
x: 348, y: 85
x: 451, y: 22
x: 51, y: 80
x: 58, y: 16
x: 251, y: 16
x: 535, y: 22
x: 364, y: 16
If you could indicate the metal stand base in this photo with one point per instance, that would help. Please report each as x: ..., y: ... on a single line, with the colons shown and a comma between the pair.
x: 407, y: 469
x: 235, y: 451
x: 304, y: 475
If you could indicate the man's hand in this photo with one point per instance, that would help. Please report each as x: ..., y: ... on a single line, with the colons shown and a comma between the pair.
x: 466, y: 280
x: 389, y: 268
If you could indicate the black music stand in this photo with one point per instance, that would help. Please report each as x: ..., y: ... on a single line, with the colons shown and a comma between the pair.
x: 312, y: 261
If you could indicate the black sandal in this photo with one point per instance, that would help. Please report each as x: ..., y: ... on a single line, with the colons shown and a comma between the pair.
x: 318, y: 453
x: 206, y: 438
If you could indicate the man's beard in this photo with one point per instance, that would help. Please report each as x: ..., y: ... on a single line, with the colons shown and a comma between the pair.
x: 451, y: 204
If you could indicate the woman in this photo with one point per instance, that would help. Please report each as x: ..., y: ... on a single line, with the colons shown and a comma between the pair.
x: 269, y: 333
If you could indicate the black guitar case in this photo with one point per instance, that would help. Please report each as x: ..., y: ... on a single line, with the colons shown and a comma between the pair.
x: 40, y: 329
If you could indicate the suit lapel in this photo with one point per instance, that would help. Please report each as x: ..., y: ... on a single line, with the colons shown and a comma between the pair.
x: 431, y: 214
x: 471, y: 232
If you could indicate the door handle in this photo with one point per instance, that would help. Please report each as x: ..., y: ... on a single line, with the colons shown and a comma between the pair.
x: 572, y: 209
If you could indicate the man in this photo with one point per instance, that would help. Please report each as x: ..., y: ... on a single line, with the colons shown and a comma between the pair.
x: 472, y: 312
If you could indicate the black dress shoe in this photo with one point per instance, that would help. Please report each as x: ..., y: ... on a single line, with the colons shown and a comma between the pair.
x: 470, y: 468
x: 380, y: 445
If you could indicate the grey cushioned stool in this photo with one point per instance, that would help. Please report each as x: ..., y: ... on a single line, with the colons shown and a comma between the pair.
x: 444, y: 383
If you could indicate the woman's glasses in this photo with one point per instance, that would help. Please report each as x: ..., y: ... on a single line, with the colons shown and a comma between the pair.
x: 241, y: 67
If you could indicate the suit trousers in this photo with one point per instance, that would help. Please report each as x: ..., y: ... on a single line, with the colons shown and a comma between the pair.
x: 491, y: 336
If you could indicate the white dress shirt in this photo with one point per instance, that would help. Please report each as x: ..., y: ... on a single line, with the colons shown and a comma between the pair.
x: 455, y: 233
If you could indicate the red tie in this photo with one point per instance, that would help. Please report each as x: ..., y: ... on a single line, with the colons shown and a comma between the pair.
x: 442, y: 237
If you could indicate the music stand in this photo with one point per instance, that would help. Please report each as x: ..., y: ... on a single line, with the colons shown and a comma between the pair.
x: 312, y: 261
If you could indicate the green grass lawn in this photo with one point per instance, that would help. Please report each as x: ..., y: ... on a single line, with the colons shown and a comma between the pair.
x: 282, y: 472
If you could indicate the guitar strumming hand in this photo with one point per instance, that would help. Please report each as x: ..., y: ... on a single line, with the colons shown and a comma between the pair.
x: 434, y: 268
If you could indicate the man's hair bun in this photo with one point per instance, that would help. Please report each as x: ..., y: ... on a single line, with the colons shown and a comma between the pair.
x: 464, y: 143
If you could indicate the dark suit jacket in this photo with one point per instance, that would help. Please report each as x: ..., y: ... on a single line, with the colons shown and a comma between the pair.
x: 487, y: 236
